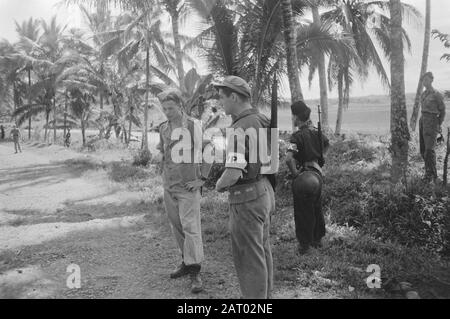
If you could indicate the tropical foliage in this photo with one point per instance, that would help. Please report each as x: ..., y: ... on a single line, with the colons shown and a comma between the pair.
x: 117, y: 65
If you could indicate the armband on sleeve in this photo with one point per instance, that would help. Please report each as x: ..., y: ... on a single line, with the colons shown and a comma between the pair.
x: 236, y: 160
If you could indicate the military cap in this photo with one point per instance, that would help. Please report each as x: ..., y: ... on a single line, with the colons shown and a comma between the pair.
x: 236, y: 84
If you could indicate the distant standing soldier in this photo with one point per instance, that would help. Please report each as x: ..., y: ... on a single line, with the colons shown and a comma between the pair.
x: 15, y: 133
x: 303, y: 158
x: 182, y: 188
x: 67, y: 139
x: 251, y: 196
x: 2, y: 132
x: 433, y: 115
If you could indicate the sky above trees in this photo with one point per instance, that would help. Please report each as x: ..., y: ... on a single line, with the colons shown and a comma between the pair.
x: 19, y: 10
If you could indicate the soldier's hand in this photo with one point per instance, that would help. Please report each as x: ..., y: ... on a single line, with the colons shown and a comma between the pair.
x: 194, y: 185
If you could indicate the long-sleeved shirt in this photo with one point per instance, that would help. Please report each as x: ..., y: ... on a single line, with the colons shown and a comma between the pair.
x: 433, y: 103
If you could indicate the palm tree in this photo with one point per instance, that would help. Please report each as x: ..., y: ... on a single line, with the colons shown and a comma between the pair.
x: 291, y: 50
x: 315, y: 4
x: 247, y: 40
x: 141, y: 32
x: 99, y: 23
x: 49, y: 58
x: 12, y: 64
x: 445, y: 39
x: 426, y: 49
x: 175, y: 8
x: 51, y: 43
x: 80, y: 104
x: 28, y: 29
x: 399, y: 122
x: 355, y: 17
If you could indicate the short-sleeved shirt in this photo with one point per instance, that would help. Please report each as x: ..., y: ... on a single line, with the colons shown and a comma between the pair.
x: 176, y: 173
x: 239, y: 154
x: 433, y: 103
x: 305, y: 144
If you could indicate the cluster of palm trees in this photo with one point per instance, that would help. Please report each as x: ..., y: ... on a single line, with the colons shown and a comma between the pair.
x: 124, y: 60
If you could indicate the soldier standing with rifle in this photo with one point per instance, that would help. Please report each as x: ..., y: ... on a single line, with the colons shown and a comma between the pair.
x: 305, y: 161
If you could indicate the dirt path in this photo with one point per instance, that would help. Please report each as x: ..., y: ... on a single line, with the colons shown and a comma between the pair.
x: 54, y: 214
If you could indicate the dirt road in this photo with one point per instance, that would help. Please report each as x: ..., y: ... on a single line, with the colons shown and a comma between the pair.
x: 54, y: 214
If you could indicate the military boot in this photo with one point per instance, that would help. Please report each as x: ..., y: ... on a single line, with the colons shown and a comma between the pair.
x: 181, y: 271
x: 196, y: 283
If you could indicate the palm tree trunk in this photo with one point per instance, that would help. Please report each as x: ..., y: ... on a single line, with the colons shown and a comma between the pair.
x: 340, y: 104
x: 426, y: 51
x: 47, y: 115
x: 322, y: 73
x: 65, y: 115
x: 176, y: 38
x: 399, y: 122
x: 101, y: 91
x: 54, y: 119
x: 291, y: 53
x: 15, y: 98
x: 29, y: 102
x: 83, y: 130
x: 130, y: 125
x: 147, y: 91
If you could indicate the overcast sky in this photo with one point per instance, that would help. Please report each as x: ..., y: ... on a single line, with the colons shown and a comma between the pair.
x: 19, y: 10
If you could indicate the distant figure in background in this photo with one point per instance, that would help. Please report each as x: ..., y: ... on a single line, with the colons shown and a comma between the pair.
x: 2, y: 132
x: 67, y: 138
x: 433, y: 115
x: 15, y: 133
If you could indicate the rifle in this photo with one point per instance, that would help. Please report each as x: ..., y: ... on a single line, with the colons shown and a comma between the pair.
x: 447, y: 155
x: 319, y: 128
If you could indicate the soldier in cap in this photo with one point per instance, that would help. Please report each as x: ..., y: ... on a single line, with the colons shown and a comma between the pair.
x: 251, y: 195
x: 433, y: 115
x: 303, y: 160
x: 183, y: 181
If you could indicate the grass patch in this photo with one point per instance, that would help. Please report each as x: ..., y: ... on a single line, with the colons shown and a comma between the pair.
x: 123, y: 172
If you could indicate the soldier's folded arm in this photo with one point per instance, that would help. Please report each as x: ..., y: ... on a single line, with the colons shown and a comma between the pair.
x: 236, y: 162
x: 229, y: 178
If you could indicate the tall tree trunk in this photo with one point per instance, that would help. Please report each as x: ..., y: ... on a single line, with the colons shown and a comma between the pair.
x: 47, y: 115
x: 102, y: 71
x: 83, y: 130
x: 399, y: 122
x: 291, y: 53
x: 322, y: 73
x: 147, y: 91
x: 176, y: 39
x: 16, y: 100
x: 29, y: 102
x: 130, y: 125
x: 340, y: 103
x: 54, y: 119
x: 65, y: 115
x: 425, y: 54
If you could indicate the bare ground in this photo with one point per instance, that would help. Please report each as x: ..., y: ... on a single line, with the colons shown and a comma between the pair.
x: 54, y: 213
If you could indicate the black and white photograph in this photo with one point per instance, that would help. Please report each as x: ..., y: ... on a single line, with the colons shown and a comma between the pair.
x: 224, y: 154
